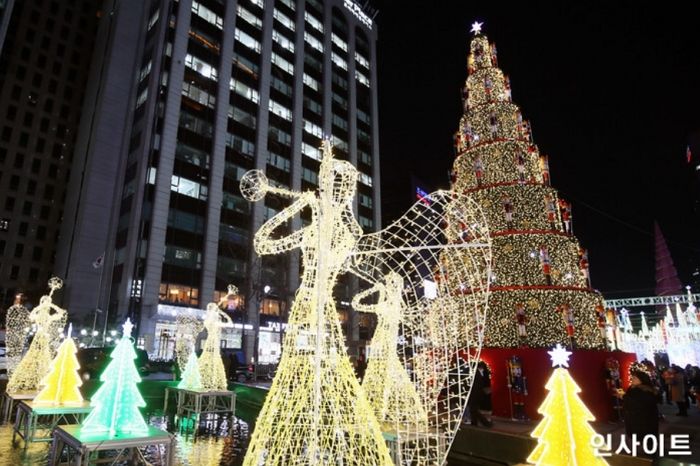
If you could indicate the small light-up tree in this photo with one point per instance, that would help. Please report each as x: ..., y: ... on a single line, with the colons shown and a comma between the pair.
x: 62, y: 383
x: 117, y: 402
x: 564, y: 435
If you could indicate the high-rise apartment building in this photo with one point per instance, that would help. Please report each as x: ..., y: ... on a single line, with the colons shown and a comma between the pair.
x: 214, y: 88
x: 46, y: 50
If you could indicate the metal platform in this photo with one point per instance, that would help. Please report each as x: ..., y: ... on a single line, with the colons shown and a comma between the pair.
x: 195, y: 405
x: 35, y: 423
x: 83, y: 449
x: 10, y: 402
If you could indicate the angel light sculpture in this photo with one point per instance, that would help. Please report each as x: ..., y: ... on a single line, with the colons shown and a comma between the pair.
x: 430, y: 266
x: 387, y: 384
x: 187, y: 327
x: 211, y: 366
x: 49, y: 320
x: 17, y: 326
x: 315, y: 412
x: 439, y: 252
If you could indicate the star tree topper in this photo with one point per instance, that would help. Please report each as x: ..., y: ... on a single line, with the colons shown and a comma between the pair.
x: 127, y: 328
x: 560, y: 356
x: 476, y: 27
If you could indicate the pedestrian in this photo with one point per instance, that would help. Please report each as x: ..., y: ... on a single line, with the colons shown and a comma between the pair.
x: 480, y: 395
x: 639, y: 407
x: 677, y: 387
x: 233, y: 366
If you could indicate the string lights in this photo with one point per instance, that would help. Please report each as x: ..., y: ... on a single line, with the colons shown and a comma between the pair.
x: 537, y: 262
x: 49, y: 320
x: 419, y: 269
x: 211, y: 366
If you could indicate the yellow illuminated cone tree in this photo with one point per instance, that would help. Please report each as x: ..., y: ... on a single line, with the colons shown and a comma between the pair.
x: 564, y: 435
x: 62, y: 384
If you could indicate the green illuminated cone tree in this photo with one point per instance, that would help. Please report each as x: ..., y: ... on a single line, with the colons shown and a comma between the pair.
x: 62, y: 383
x: 191, y: 378
x: 540, y: 272
x: 564, y: 435
x: 116, y: 403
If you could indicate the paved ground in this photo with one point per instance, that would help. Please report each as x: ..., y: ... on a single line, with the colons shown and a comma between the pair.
x: 670, y: 424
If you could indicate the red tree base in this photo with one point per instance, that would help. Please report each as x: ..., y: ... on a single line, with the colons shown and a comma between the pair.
x: 587, y: 367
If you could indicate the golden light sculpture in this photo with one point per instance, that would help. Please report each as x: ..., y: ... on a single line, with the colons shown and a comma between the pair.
x: 433, y: 265
x: 316, y: 412
x: 387, y: 384
x: 187, y: 328
x: 211, y: 366
x: 537, y: 259
x: 17, y: 327
x: 49, y: 320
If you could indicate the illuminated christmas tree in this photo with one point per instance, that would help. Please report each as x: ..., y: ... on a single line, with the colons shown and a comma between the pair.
x: 540, y: 272
x: 564, y: 435
x: 62, y: 384
x: 191, y: 378
x: 116, y: 403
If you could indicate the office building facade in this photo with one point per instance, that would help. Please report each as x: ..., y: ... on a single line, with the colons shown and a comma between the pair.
x: 218, y: 88
x: 46, y: 51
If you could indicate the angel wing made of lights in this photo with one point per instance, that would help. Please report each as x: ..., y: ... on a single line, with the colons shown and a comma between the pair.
x: 429, y: 271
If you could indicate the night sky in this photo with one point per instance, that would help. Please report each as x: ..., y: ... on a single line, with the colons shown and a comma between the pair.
x: 612, y: 92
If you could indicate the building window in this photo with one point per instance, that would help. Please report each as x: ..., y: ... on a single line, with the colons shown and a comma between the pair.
x: 249, y: 17
x: 247, y: 40
x: 313, y: 22
x: 310, y: 151
x: 178, y: 294
x: 366, y: 222
x: 365, y: 179
x: 339, y: 42
x: 283, y: 41
x: 207, y: 15
x: 282, y: 63
x: 285, y: 20
x: 313, y: 129
x: 245, y: 91
x: 361, y: 78
x: 278, y: 161
x: 280, y: 110
x: 201, y: 67
x: 313, y: 42
x: 361, y: 60
x: 239, y: 144
x: 335, y: 58
x: 236, y: 203
x: 188, y: 188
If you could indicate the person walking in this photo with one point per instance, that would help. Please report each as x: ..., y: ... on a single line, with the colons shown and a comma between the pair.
x: 639, y: 407
x: 677, y: 388
x: 480, y: 396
